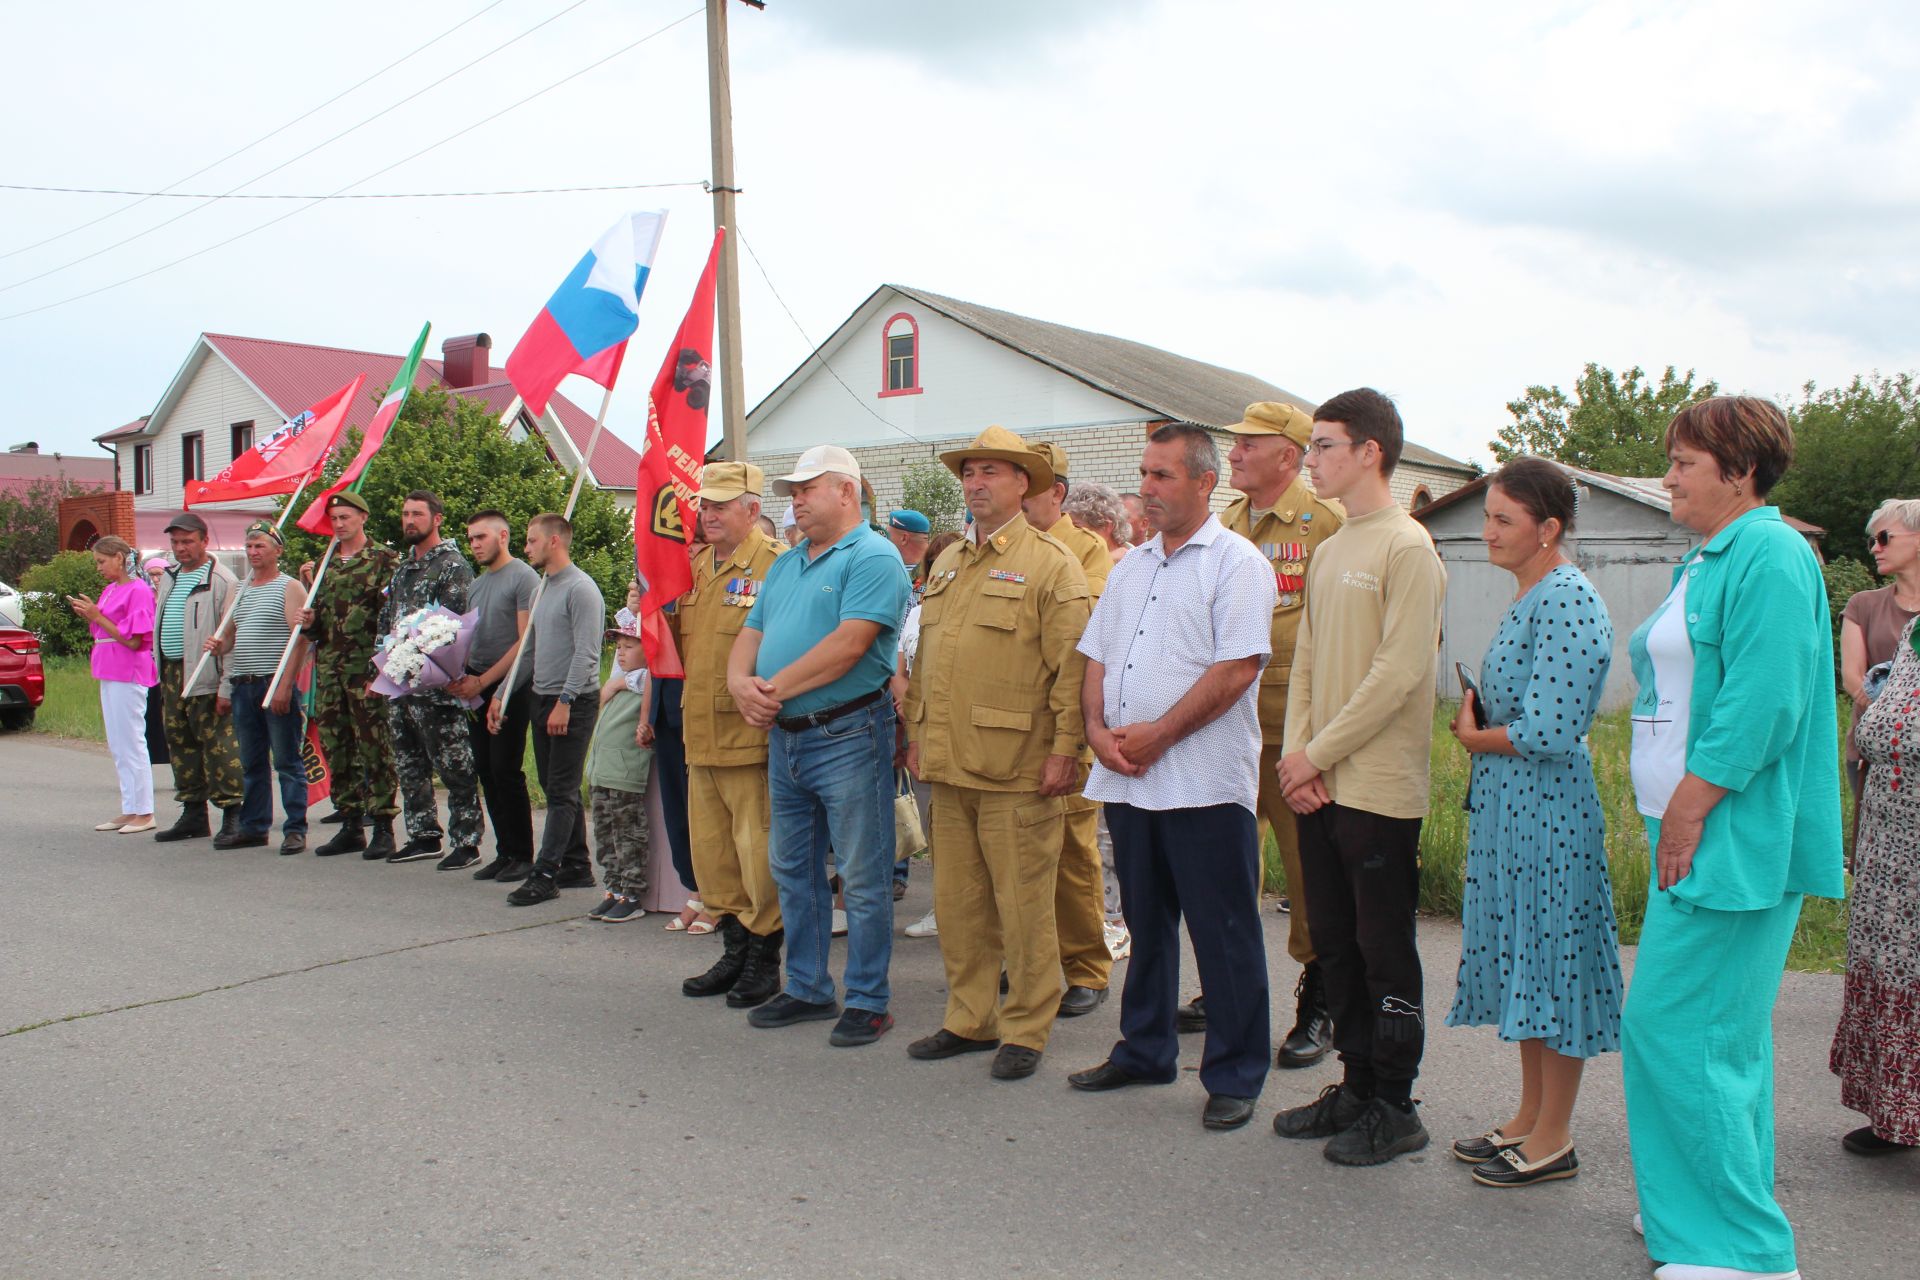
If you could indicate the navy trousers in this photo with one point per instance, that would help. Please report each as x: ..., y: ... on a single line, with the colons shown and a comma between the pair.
x: 670, y: 767
x: 1205, y: 864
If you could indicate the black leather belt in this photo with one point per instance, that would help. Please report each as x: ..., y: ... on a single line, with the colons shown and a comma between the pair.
x: 794, y: 724
x: 248, y: 679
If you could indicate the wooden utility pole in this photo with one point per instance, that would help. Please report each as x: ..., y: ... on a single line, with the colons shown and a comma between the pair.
x: 720, y: 102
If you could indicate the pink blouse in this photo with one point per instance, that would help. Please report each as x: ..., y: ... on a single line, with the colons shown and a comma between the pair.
x: 129, y: 606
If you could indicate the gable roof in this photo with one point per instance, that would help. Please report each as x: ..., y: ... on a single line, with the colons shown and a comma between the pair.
x: 292, y: 375
x: 1646, y: 490
x: 1164, y: 384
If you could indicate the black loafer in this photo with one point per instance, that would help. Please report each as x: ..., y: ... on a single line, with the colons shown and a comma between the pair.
x: 1224, y: 1111
x: 1865, y: 1142
x: 1508, y: 1169
x: 1191, y: 1017
x: 1081, y: 1000
x: 1106, y: 1076
x: 1015, y: 1062
x: 945, y: 1044
x: 1485, y: 1147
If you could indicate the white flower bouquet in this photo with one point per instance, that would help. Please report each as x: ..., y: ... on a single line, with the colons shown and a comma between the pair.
x: 426, y: 650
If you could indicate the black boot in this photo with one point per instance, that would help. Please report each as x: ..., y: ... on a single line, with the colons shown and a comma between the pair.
x: 1312, y: 1033
x: 190, y: 825
x: 350, y: 838
x: 727, y: 969
x: 760, y: 980
x: 229, y: 831
x: 380, y: 848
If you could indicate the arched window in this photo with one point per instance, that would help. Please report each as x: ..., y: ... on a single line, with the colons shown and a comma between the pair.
x: 1420, y: 498
x: 900, y: 355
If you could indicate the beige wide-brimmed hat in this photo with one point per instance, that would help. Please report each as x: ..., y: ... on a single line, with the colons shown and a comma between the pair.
x: 725, y: 481
x: 998, y: 442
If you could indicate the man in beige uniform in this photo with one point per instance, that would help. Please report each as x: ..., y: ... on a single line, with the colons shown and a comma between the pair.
x: 1280, y: 514
x: 993, y: 722
x: 728, y: 814
x: 1079, y: 901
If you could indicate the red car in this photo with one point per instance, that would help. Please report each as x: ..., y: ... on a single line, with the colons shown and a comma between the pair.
x: 23, y: 681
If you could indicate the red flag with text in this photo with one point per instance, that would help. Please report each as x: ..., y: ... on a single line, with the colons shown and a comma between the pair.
x: 285, y: 460
x: 670, y: 462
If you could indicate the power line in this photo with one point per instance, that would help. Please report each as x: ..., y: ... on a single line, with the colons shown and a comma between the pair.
x: 365, y: 195
x: 145, y: 196
x: 303, y: 155
x: 459, y: 133
x: 815, y: 349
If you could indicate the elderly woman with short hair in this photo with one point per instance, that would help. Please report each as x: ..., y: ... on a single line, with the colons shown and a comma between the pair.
x: 1874, y: 1049
x: 1735, y: 773
x: 1098, y: 509
x: 122, y: 625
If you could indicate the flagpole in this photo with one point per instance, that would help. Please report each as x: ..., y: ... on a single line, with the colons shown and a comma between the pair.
x: 540, y: 587
x: 294, y: 638
x: 233, y: 605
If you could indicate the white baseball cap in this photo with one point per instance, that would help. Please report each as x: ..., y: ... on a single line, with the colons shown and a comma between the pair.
x: 817, y: 461
x: 787, y: 521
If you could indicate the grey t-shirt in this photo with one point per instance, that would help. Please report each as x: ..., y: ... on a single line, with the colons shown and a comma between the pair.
x: 566, y: 634
x: 500, y: 595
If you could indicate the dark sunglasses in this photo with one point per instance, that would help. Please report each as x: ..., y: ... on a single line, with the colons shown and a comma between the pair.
x: 1880, y: 539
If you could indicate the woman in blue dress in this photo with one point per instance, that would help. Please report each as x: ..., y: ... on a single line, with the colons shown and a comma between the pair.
x: 1539, y: 956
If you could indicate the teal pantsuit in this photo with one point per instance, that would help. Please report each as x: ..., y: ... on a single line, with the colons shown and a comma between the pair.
x: 1700, y: 1010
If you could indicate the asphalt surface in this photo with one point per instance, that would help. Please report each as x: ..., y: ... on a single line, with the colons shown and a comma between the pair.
x: 242, y: 1064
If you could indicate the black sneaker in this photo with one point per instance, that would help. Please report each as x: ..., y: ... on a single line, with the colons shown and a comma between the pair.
x: 859, y: 1026
x: 784, y: 1010
x: 493, y: 868
x: 624, y: 910
x: 578, y: 878
x: 538, y: 888
x: 459, y: 860
x: 607, y: 904
x: 514, y: 872
x: 417, y: 849
x: 1334, y: 1111
x: 1382, y: 1132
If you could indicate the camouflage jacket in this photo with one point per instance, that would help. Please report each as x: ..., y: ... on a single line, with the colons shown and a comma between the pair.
x: 440, y: 577
x: 346, y: 613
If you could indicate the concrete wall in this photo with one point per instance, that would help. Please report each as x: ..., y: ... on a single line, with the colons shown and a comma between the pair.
x: 1625, y: 548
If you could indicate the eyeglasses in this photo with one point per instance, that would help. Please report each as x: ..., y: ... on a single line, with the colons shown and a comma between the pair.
x: 1883, y: 537
x: 1321, y: 446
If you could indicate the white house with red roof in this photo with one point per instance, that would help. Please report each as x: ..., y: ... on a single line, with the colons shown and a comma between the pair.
x: 232, y: 389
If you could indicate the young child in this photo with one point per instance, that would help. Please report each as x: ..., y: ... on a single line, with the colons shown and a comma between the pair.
x: 617, y: 776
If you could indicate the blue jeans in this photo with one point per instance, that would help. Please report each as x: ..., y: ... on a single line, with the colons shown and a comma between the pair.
x: 260, y: 733
x: 832, y: 788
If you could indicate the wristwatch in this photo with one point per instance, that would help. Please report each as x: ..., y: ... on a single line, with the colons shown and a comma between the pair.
x: 566, y: 699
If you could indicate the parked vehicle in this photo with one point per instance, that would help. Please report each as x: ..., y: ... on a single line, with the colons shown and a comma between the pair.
x: 23, y: 680
x: 13, y: 606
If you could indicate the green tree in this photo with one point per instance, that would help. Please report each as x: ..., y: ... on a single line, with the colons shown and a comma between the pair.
x: 457, y: 449
x: 46, y: 587
x: 1854, y: 447
x: 30, y: 525
x: 1844, y: 579
x: 929, y: 488
x: 1612, y: 423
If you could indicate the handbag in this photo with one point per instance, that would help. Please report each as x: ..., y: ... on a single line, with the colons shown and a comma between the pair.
x: 909, y: 837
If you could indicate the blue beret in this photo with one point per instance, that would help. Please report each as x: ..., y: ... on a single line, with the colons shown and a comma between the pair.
x: 911, y: 521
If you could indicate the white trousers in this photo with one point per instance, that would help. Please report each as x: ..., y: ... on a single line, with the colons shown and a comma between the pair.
x: 123, y: 706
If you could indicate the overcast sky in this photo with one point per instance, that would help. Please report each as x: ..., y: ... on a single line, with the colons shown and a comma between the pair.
x: 1320, y: 195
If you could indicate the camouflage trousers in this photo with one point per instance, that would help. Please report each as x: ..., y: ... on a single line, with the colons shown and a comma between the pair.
x: 206, y: 756
x: 429, y: 733
x: 620, y: 834
x: 358, y: 743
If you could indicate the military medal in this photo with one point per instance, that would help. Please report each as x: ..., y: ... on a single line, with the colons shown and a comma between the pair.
x: 1006, y: 575
x: 1292, y: 567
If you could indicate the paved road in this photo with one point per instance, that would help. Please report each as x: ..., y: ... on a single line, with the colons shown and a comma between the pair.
x: 241, y: 1064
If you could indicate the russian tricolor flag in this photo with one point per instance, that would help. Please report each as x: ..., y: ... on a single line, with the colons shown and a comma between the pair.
x: 585, y: 325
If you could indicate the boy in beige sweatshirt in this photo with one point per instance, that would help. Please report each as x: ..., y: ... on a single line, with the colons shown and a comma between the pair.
x: 1354, y: 771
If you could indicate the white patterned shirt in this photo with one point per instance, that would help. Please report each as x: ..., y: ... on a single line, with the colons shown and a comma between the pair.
x: 1161, y: 623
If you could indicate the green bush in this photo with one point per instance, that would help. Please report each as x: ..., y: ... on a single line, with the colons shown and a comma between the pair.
x: 46, y: 587
x: 1845, y: 579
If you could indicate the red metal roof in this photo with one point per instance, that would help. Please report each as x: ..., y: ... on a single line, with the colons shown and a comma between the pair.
x: 18, y: 471
x: 132, y: 428
x: 293, y: 375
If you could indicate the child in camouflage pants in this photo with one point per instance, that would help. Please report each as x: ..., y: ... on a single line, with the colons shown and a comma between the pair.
x: 617, y: 770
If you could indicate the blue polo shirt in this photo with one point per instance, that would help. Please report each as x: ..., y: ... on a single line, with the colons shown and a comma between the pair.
x: 806, y: 596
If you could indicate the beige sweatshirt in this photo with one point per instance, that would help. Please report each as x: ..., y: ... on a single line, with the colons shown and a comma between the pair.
x: 1361, y: 698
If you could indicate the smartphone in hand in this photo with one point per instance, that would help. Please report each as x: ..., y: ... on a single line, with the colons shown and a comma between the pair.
x: 1468, y: 685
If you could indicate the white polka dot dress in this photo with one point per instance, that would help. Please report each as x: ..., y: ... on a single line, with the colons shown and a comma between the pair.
x: 1540, y: 955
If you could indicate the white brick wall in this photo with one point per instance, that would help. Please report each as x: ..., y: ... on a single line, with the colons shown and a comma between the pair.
x: 1109, y: 455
